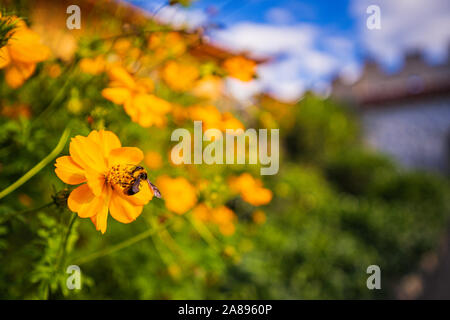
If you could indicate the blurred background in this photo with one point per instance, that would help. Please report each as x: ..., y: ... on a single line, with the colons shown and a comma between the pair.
x: 364, y: 119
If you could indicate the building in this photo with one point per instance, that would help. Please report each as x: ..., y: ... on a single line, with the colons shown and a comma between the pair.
x: 405, y: 114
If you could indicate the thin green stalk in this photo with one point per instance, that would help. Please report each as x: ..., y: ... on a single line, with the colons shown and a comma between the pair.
x: 66, y: 238
x: 165, y: 257
x: 62, y: 253
x: 204, y: 232
x: 120, y: 246
x: 33, y: 171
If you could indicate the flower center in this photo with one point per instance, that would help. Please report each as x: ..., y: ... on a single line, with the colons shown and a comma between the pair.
x: 126, y: 178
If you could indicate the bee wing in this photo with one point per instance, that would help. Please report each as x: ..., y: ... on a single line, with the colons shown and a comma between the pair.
x: 154, y: 189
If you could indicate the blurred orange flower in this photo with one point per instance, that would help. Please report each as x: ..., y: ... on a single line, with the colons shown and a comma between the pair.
x: 93, y: 66
x: 166, y: 44
x: 223, y: 216
x: 143, y: 108
x: 53, y: 70
x: 209, y: 87
x: 250, y: 189
x: 106, y: 171
x: 240, y: 68
x: 16, y: 111
x: 212, y: 118
x: 122, y: 46
x: 153, y: 160
x: 179, y: 77
x: 21, y: 54
x: 180, y: 196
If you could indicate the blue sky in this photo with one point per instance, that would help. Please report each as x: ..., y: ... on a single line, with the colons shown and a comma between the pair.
x: 310, y: 42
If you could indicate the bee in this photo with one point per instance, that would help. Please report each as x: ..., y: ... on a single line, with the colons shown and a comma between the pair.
x: 140, y: 174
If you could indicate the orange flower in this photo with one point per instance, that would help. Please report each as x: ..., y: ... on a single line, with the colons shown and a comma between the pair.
x: 209, y: 115
x: 230, y: 122
x: 180, y: 196
x: 250, y: 189
x: 201, y: 212
x: 240, y: 68
x: 153, y: 160
x: 16, y: 111
x: 21, y: 53
x: 212, y: 118
x: 209, y: 87
x: 143, y: 108
x: 53, y: 70
x: 223, y: 216
x: 93, y: 66
x: 166, y: 44
x: 179, y: 77
x: 108, y: 174
x: 122, y: 46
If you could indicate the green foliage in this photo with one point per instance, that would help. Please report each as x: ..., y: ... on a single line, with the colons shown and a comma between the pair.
x: 321, y: 129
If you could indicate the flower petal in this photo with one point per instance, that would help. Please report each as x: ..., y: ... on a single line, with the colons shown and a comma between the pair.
x: 4, y: 57
x: 79, y: 197
x: 26, y: 47
x: 17, y: 74
x: 144, y: 195
x: 87, y: 154
x: 95, y: 181
x: 87, y: 205
x: 119, y: 74
x: 125, y: 155
x: 68, y: 171
x: 123, y: 210
x: 106, y: 139
x: 116, y: 95
x: 101, y: 219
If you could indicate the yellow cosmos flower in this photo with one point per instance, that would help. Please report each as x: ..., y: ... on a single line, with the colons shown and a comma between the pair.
x: 122, y: 46
x: 179, y: 77
x: 240, y: 68
x: 210, y: 87
x: 143, y: 108
x: 166, y: 44
x: 93, y: 66
x: 180, y: 196
x: 222, y: 216
x: 53, y: 70
x: 110, y: 179
x: 21, y: 54
x: 153, y: 160
x: 211, y: 118
x: 250, y: 189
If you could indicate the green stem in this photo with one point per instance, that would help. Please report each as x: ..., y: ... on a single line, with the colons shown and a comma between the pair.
x: 61, y: 254
x: 119, y: 246
x: 66, y: 238
x: 204, y: 232
x: 33, y: 171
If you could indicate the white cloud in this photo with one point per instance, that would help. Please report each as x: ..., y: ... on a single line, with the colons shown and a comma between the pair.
x: 180, y: 17
x: 405, y: 25
x: 242, y: 91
